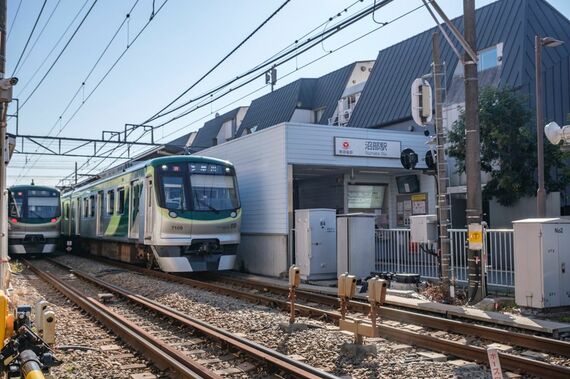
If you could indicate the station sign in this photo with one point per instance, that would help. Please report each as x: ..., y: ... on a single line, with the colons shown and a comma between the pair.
x: 369, y: 148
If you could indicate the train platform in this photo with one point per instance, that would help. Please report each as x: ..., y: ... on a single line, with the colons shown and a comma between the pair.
x: 450, y: 311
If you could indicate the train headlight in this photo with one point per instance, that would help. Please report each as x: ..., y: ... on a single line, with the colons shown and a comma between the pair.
x: 233, y: 214
x: 172, y: 214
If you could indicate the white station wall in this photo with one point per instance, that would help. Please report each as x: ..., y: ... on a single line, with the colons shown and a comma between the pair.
x: 261, y: 169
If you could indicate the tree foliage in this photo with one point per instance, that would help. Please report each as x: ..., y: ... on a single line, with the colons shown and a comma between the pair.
x: 508, y: 148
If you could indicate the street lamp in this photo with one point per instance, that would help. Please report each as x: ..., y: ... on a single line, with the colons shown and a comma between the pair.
x: 541, y: 192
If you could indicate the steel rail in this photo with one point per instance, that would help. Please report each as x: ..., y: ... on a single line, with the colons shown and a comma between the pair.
x: 274, y: 358
x: 155, y: 350
x: 473, y: 353
x: 528, y: 341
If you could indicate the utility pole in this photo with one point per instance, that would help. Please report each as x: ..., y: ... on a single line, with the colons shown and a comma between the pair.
x: 472, y: 158
x: 541, y: 193
x: 442, y: 197
x: 3, y: 148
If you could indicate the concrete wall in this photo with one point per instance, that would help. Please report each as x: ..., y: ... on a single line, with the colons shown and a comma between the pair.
x: 502, y: 217
x: 263, y: 254
x: 360, y: 73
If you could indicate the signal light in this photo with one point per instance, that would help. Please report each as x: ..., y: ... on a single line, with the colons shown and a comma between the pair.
x: 430, y: 160
x: 14, y: 221
x: 53, y: 220
x: 409, y: 159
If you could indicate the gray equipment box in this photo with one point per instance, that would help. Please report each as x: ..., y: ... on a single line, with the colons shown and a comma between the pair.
x: 355, y: 244
x: 542, y: 260
x: 423, y: 229
x: 315, y: 243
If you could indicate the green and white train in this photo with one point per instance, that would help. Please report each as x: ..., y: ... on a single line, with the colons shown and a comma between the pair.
x: 180, y: 213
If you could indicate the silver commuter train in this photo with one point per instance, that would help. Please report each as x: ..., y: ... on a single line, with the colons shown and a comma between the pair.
x: 33, y: 219
x: 180, y: 213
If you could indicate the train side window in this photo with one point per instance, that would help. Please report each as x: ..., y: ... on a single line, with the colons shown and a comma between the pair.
x: 92, y: 206
x: 110, y: 202
x: 121, y: 200
x: 85, y: 207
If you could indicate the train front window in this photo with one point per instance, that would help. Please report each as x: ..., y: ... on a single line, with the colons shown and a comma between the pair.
x: 173, y: 192
x: 16, y: 203
x: 213, y: 187
x: 43, y: 207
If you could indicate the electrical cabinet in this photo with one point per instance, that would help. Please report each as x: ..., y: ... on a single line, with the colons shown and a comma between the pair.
x: 542, y: 260
x: 355, y: 244
x: 423, y: 229
x: 315, y: 243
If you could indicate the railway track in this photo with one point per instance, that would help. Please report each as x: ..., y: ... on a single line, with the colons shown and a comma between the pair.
x: 464, y: 351
x: 163, y: 343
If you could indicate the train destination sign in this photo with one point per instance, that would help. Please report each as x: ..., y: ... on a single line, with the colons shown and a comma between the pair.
x: 371, y: 148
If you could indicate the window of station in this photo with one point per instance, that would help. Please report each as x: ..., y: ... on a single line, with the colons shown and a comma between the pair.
x: 121, y: 200
x: 110, y: 202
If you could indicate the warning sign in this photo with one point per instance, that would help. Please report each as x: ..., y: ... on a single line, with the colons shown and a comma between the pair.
x: 475, y: 236
x: 494, y: 363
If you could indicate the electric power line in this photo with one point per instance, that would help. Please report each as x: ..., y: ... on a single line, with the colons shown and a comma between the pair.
x: 220, y: 61
x: 155, y: 12
x: 40, y: 34
x: 324, y: 35
x: 29, y: 37
x: 59, y: 55
x: 310, y: 41
x: 14, y: 20
x: 260, y: 88
x: 23, y: 88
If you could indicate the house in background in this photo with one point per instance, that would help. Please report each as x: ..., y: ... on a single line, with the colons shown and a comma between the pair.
x: 218, y: 130
x: 505, y: 38
x: 328, y: 100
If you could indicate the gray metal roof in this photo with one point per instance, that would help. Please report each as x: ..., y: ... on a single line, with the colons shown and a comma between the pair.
x: 210, y: 130
x: 180, y: 141
x: 306, y: 93
x: 386, y: 96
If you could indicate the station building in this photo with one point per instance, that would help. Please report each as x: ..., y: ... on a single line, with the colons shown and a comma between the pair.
x: 335, y: 141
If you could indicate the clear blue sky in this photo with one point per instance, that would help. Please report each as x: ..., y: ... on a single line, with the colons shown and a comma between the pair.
x: 182, y: 42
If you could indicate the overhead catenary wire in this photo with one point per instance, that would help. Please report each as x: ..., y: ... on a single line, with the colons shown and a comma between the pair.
x: 78, y: 91
x: 260, y: 88
x: 52, y: 50
x: 229, y: 54
x: 59, y: 55
x: 15, y: 71
x: 117, y: 60
x: 13, y: 20
x: 272, y: 60
x: 40, y: 33
x: 310, y: 41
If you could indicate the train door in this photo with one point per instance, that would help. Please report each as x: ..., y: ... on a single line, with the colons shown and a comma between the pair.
x: 99, y: 213
x: 148, y: 214
x: 134, y: 208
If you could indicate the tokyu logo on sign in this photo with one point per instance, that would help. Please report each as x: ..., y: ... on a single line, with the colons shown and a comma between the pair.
x: 360, y: 147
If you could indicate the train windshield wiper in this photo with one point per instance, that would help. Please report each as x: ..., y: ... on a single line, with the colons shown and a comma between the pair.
x: 207, y: 205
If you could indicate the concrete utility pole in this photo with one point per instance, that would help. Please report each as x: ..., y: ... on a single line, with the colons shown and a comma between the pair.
x: 442, y: 197
x: 472, y: 155
x: 3, y: 193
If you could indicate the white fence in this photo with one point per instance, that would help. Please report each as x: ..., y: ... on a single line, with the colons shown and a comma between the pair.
x: 395, y: 253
